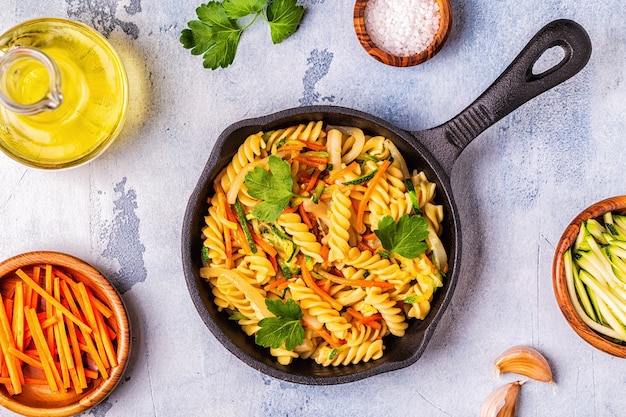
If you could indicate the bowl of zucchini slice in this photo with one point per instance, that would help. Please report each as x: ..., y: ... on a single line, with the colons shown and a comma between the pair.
x: 589, y: 275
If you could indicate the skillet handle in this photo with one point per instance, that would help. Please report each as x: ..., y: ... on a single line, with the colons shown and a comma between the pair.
x: 515, y: 86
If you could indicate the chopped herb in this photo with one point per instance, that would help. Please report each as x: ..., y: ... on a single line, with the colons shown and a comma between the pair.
x: 406, y: 237
x: 237, y: 316
x: 273, y: 188
x: 286, y: 328
x: 205, y: 254
x: 410, y: 300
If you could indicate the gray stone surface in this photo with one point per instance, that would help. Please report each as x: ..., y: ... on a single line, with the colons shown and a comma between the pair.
x: 517, y: 186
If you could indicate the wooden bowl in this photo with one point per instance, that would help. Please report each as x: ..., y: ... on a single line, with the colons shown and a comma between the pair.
x: 614, y: 204
x: 39, y: 400
x: 445, y: 24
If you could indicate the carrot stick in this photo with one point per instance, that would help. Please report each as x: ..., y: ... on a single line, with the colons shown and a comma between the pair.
x: 51, y: 300
x: 368, y: 193
x: 34, y: 297
x: 25, y: 358
x: 79, y: 368
x: 108, y: 345
x: 65, y: 277
x: 42, y: 347
x: 85, y: 305
x: 18, y: 315
x: 7, y: 342
x: 310, y: 282
x: 355, y: 282
x: 312, y: 145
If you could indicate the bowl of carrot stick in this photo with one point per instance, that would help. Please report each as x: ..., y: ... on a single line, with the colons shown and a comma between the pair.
x: 64, y: 335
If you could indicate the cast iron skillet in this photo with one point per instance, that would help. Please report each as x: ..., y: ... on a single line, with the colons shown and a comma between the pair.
x: 433, y: 151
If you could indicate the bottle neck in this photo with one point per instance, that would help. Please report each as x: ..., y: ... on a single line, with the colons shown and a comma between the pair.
x: 16, y: 66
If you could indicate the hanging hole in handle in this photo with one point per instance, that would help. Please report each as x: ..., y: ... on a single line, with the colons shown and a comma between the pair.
x: 30, y: 81
x: 550, y: 60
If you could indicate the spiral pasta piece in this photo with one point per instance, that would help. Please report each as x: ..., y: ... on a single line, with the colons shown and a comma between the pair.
x: 346, y: 355
x: 318, y: 308
x: 393, y: 316
x: 339, y: 231
x: 293, y: 225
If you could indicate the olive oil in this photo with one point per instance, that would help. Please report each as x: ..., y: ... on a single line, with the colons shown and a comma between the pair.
x: 93, y: 87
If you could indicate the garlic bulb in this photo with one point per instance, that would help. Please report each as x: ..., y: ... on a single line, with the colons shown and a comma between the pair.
x: 502, y: 401
x: 525, y: 361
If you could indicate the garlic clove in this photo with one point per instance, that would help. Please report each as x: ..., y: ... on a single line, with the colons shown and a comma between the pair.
x: 524, y: 360
x: 502, y: 401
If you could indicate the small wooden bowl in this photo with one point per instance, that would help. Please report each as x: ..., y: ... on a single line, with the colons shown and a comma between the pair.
x: 445, y: 24
x: 614, y: 204
x: 38, y: 400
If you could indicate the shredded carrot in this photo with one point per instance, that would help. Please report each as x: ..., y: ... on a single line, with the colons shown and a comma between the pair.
x: 290, y: 209
x: 355, y: 282
x: 276, y: 283
x: 241, y: 237
x: 319, y: 162
x: 335, y: 175
x: 312, y: 145
x: 313, y: 181
x: 274, y: 263
x: 310, y: 282
x: 324, y: 253
x: 364, y: 246
x: 370, y: 236
x: 294, y: 148
x: 325, y: 335
x: 368, y: 193
x: 305, y: 216
x: 264, y: 245
x: 371, y: 321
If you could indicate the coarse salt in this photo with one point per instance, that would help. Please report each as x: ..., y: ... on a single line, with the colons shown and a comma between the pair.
x: 402, y: 27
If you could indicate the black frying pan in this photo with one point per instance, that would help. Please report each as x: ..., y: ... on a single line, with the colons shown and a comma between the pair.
x: 433, y: 151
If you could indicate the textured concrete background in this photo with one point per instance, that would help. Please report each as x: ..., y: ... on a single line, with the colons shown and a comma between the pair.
x: 516, y: 186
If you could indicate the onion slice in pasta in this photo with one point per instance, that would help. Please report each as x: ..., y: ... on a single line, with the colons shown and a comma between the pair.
x: 333, y: 143
x: 397, y: 157
x: 257, y: 300
x: 237, y: 182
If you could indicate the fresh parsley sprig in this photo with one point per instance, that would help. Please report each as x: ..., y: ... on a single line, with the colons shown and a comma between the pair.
x: 273, y: 188
x: 286, y: 328
x: 217, y: 32
x: 406, y: 237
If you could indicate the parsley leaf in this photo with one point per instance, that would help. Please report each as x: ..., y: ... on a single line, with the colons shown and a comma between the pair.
x: 283, y: 16
x: 285, y: 328
x: 215, y: 35
x: 406, y: 237
x: 217, y: 32
x: 241, y: 8
x: 274, y: 189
